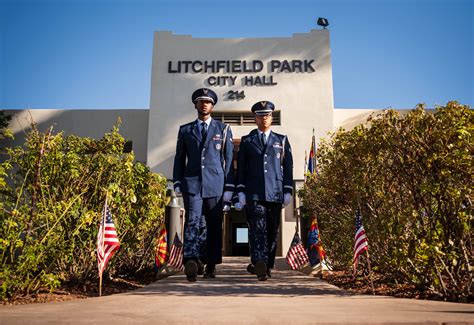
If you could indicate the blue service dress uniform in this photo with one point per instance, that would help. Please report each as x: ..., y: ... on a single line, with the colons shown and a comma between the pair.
x: 203, y: 170
x: 265, y: 174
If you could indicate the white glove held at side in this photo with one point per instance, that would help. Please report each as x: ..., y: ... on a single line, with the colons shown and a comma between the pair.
x: 242, y: 198
x: 287, y: 199
x: 227, y: 197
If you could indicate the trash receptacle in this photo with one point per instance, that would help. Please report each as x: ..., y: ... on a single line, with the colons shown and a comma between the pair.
x: 173, y: 217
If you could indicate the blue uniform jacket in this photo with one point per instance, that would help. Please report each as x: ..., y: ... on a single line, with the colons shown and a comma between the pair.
x: 263, y: 175
x: 204, y: 167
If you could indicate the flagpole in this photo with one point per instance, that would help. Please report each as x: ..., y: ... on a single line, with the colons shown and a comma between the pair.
x: 102, y: 244
x: 100, y: 284
x: 367, y: 252
x: 305, y: 164
x: 313, y: 140
x: 297, y: 228
x: 370, y: 271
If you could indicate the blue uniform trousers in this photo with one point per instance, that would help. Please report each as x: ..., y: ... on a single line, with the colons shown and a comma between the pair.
x: 264, y: 222
x: 202, y: 214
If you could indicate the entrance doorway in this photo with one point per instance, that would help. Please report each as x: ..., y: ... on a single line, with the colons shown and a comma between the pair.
x: 236, y: 235
x: 236, y: 239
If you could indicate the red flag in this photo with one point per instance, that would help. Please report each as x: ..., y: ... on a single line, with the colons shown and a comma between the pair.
x: 161, y: 255
x: 360, y: 240
x: 296, y: 256
x: 107, y: 240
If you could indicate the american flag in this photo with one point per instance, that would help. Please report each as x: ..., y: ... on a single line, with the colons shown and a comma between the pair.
x: 176, y: 254
x: 360, y: 239
x: 296, y: 256
x: 161, y: 255
x: 107, y: 240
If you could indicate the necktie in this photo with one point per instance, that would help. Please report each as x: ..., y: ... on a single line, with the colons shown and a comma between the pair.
x: 203, y: 130
x: 264, y: 139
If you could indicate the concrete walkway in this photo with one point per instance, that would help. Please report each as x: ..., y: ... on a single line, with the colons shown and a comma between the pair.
x: 236, y: 297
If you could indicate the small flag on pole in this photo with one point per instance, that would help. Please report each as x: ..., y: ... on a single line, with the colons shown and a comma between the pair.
x: 360, y: 239
x: 107, y: 240
x: 176, y: 254
x: 316, y: 252
x: 296, y: 256
x: 161, y: 249
x: 312, y: 156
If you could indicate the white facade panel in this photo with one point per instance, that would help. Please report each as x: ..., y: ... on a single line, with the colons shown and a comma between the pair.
x: 294, y: 73
x: 92, y: 123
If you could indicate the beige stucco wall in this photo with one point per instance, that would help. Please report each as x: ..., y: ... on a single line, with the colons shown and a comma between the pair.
x: 304, y: 98
x: 349, y: 118
x: 84, y: 123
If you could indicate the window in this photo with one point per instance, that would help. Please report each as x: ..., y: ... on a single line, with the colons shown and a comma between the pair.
x: 242, y: 118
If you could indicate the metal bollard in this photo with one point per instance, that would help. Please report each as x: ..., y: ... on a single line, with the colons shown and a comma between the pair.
x: 173, y: 220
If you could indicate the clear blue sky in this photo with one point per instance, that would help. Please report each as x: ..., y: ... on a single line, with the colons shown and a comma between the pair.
x: 97, y: 54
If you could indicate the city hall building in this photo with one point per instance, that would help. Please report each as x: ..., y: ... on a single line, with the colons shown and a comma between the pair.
x: 295, y: 73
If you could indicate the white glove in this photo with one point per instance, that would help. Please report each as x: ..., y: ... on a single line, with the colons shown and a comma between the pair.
x: 227, y: 196
x: 242, y: 200
x: 177, y: 190
x: 287, y: 199
x: 238, y: 206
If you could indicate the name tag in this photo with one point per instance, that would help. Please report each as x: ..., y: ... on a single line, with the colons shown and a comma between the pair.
x: 277, y: 145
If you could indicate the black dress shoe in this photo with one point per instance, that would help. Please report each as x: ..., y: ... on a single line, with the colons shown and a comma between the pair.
x: 269, y: 273
x: 191, y: 269
x: 251, y: 268
x: 210, y: 272
x: 261, y: 270
x: 200, y: 268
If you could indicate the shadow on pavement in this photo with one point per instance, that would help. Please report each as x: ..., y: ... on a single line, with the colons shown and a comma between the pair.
x: 233, y: 280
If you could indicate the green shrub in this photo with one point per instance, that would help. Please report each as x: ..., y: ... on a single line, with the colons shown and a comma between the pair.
x: 412, y: 177
x: 52, y: 194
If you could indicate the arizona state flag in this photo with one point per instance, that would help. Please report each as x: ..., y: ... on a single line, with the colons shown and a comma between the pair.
x: 316, y: 251
x: 161, y: 256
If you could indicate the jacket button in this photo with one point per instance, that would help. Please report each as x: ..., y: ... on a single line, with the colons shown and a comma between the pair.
x: 202, y: 166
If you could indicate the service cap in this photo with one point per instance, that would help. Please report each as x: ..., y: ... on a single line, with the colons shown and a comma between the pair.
x: 263, y: 107
x: 204, y: 94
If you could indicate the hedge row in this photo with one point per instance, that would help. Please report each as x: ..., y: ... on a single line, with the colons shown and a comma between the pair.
x: 52, y: 192
x: 412, y: 177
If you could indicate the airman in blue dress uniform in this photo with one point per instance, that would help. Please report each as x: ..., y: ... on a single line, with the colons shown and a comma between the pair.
x: 264, y: 185
x: 203, y: 172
